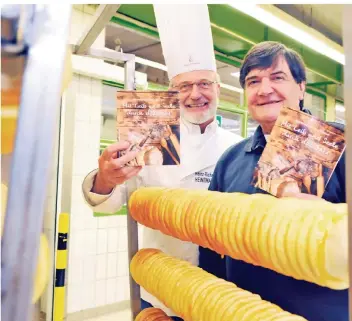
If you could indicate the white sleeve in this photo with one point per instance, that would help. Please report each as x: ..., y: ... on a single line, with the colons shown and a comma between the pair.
x: 110, y: 203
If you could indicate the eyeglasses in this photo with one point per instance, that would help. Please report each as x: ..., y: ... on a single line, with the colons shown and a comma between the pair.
x: 188, y: 86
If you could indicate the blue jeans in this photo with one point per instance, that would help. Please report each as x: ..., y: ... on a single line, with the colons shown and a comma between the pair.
x: 145, y: 305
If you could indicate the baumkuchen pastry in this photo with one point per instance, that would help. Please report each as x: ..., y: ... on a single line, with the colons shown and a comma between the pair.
x: 196, y: 295
x: 152, y: 314
x: 304, y: 239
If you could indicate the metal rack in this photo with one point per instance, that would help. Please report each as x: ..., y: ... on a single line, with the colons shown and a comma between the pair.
x: 40, y: 99
x: 29, y: 177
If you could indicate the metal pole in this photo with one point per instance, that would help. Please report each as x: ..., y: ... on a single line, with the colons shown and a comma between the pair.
x: 132, y: 225
x: 30, y: 172
x: 347, y: 43
x: 130, y: 67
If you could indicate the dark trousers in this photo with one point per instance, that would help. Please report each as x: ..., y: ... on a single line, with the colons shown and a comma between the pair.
x: 145, y: 305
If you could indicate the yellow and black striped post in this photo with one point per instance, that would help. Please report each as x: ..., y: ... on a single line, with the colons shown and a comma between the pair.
x: 61, y: 263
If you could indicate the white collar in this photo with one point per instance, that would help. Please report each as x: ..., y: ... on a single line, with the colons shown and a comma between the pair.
x: 194, y: 129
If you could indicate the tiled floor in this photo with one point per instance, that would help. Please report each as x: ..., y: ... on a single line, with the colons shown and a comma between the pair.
x: 124, y: 315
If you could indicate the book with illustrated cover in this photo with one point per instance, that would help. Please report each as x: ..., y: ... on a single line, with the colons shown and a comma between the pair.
x: 150, y: 122
x: 300, y: 155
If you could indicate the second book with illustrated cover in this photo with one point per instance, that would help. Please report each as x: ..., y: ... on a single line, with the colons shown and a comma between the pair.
x: 300, y: 156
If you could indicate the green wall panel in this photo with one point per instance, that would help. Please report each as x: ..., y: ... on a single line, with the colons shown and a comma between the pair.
x: 140, y: 12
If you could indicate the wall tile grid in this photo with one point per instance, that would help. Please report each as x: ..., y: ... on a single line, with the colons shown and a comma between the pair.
x: 98, y: 265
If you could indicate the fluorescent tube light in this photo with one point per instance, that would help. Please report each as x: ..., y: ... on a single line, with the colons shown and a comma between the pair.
x: 289, y: 30
x: 235, y: 74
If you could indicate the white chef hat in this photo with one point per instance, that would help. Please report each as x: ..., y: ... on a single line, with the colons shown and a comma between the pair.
x: 185, y: 36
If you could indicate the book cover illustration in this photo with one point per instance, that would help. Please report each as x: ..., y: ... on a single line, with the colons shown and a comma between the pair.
x: 300, y: 155
x: 150, y: 122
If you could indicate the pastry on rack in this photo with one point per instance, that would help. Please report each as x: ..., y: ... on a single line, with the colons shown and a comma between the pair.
x: 152, y: 314
x: 196, y: 295
x: 304, y: 239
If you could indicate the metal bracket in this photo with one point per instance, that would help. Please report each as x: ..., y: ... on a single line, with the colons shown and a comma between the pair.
x: 101, y: 19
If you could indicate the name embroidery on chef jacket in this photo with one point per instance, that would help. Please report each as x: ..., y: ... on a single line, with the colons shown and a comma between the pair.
x: 203, y: 177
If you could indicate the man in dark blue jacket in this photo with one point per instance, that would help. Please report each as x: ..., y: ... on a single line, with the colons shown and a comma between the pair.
x: 273, y: 76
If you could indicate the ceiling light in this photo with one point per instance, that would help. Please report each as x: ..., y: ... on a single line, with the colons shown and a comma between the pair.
x: 290, y: 30
x: 235, y: 74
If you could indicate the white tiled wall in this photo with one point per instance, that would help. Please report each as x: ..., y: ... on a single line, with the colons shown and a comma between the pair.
x: 97, y: 266
x: 97, y: 246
